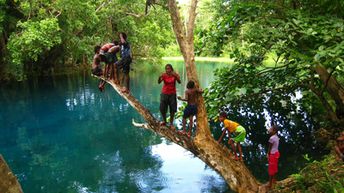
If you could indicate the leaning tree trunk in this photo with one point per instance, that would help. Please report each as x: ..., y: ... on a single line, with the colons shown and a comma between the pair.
x: 235, y: 173
x: 8, y: 181
x: 237, y: 176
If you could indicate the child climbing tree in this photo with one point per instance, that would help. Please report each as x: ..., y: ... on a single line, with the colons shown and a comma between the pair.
x: 237, y: 176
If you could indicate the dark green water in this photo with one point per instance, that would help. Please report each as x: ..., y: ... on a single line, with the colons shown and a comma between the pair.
x: 61, y: 135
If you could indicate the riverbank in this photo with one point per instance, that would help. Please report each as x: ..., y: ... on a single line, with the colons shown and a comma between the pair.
x: 200, y: 59
x: 326, y: 175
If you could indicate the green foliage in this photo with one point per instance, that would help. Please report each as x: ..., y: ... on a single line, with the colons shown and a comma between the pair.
x: 320, y: 176
x: 35, y: 38
x: 275, y: 53
x: 2, y: 14
x: 78, y: 27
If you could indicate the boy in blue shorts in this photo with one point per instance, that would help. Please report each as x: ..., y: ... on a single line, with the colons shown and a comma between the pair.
x: 191, y: 109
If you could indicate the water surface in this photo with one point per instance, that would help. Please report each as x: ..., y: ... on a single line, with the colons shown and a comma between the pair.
x: 61, y: 135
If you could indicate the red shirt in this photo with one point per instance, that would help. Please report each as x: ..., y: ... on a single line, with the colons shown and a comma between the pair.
x: 169, y: 86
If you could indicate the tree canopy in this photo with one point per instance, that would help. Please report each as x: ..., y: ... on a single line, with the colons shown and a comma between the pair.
x: 39, y: 35
x: 285, y: 54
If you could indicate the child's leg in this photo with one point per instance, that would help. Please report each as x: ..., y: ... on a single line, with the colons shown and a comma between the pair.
x: 115, y: 77
x: 230, y: 141
x: 190, y: 125
x: 126, y: 80
x: 184, y: 124
x: 171, y: 118
x: 106, y: 71
x: 240, y: 151
x: 111, y: 71
x: 270, y: 181
x: 163, y: 108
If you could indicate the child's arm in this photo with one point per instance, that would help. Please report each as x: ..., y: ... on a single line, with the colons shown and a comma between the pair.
x: 185, y: 97
x: 339, y: 153
x: 113, y: 49
x: 160, y: 79
x: 177, y: 76
x: 269, y: 150
x: 199, y: 90
x: 223, y: 133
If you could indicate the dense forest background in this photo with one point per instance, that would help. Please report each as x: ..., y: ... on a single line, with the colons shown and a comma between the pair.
x: 282, y: 47
x: 287, y: 55
x: 37, y: 36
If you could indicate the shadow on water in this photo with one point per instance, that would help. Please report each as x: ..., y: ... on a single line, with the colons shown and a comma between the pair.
x: 60, y: 134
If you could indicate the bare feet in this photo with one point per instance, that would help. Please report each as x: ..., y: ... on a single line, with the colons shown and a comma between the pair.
x: 181, y: 132
x: 162, y: 123
x: 125, y: 90
x: 101, y: 88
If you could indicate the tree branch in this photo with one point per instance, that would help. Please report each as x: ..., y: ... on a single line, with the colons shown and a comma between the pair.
x: 137, y: 15
x: 327, y: 80
x: 204, y: 147
x: 330, y: 112
x: 103, y: 5
x: 178, y: 27
x: 140, y: 125
x: 191, y: 21
x: 152, y: 123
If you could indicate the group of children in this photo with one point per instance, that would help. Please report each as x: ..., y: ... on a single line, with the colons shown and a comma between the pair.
x: 236, y: 132
x: 116, y: 70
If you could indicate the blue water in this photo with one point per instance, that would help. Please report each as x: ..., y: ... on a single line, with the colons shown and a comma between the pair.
x: 60, y: 134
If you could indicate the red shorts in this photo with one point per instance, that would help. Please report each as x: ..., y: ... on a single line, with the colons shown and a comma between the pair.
x: 273, y: 163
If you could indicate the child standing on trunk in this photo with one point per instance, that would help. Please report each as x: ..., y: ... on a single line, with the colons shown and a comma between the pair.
x: 273, y: 155
x: 191, y: 109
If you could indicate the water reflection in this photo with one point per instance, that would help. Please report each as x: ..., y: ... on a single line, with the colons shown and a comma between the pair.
x: 182, y: 171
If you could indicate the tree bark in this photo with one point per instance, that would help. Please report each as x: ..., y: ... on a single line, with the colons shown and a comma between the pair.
x: 235, y: 173
x: 8, y: 181
x: 203, y: 145
x: 334, y: 88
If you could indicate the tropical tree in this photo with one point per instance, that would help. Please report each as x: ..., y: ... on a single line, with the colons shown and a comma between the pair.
x: 40, y: 36
x: 203, y: 144
x: 281, y: 49
x: 297, y: 62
